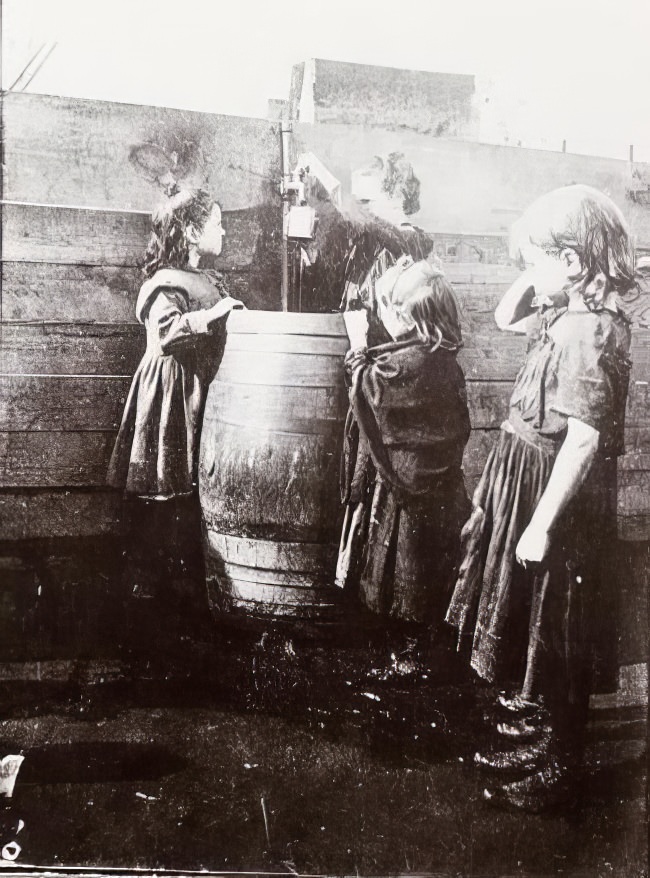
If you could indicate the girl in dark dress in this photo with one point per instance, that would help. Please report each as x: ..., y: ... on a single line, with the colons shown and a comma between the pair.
x: 154, y: 462
x: 543, y: 512
x: 182, y: 310
x: 409, y: 405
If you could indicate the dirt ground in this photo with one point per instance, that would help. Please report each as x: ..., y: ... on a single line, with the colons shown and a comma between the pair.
x: 236, y: 751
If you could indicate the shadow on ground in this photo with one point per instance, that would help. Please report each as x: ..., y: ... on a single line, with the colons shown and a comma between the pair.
x: 281, y: 750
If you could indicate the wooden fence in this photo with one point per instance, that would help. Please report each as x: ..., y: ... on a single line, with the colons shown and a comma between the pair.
x: 75, y: 219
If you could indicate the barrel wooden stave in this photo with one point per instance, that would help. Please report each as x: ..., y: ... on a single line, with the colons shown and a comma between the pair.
x: 269, y: 466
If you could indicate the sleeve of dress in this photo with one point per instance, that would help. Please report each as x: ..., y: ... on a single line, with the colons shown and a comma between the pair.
x: 587, y: 387
x: 177, y: 326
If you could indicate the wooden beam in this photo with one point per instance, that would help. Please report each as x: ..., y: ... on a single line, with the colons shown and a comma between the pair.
x: 91, y: 237
x: 62, y: 402
x: 69, y: 293
x: 71, y: 348
x: 53, y: 513
x: 69, y: 150
x: 51, y: 292
x: 45, y: 459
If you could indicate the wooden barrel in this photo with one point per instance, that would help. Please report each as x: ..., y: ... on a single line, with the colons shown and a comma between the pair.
x: 269, y: 466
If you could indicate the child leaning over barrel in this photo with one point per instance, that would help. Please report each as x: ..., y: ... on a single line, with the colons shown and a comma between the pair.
x: 183, y: 311
x: 409, y: 402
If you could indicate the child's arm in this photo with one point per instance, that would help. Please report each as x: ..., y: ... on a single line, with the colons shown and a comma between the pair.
x: 516, y: 305
x: 177, y: 327
x: 569, y: 472
x: 356, y: 324
x: 222, y: 308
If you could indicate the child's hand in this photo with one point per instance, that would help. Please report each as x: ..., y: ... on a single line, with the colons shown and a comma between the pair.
x: 356, y: 324
x: 232, y: 304
x: 223, y: 307
x: 559, y: 299
x: 533, y: 545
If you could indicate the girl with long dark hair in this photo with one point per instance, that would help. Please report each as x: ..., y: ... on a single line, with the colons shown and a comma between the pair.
x: 404, y: 490
x: 183, y: 310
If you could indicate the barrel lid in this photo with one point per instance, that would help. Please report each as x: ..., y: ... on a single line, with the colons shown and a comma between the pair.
x: 286, y: 323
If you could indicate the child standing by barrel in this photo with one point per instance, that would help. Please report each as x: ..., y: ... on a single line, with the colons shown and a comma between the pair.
x: 409, y: 402
x: 154, y: 461
x: 525, y: 603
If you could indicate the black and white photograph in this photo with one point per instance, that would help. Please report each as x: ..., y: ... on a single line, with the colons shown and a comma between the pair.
x: 324, y: 438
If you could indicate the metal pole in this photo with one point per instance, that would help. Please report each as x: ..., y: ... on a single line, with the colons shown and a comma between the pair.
x: 285, y: 133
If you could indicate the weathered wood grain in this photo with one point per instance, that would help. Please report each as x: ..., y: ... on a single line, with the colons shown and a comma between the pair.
x: 633, y: 462
x: 72, y: 235
x: 483, y: 273
x: 95, y: 402
x: 71, y: 151
x: 71, y: 348
x: 46, y: 459
x: 77, y: 294
x: 52, y: 513
x: 637, y: 413
x: 487, y: 353
x: 85, y: 236
x: 90, y: 293
x: 62, y: 402
x: 634, y: 485
x: 633, y: 496
x: 69, y: 293
x: 633, y: 528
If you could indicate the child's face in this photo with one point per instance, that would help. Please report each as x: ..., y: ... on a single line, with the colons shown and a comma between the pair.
x: 550, y: 275
x: 551, y: 272
x: 211, y: 238
x: 392, y: 288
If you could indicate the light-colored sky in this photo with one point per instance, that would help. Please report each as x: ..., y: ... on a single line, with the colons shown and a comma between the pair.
x: 559, y: 69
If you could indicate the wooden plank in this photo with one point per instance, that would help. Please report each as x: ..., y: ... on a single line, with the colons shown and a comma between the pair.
x: 41, y: 348
x: 95, y: 402
x: 636, y: 438
x: 38, y: 233
x: 633, y: 498
x: 68, y: 459
x: 73, y: 293
x: 635, y: 461
x: 86, y: 236
x: 54, y: 513
x: 640, y: 353
x: 69, y: 293
x: 637, y: 413
x: 479, y: 299
x: 116, y: 348
x: 300, y: 324
x: 488, y: 353
x: 45, y: 459
x: 481, y: 273
x: 74, y: 151
x: 62, y: 402
x: 87, y: 293
x: 633, y: 528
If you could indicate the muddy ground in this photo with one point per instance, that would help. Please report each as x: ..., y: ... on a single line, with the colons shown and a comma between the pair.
x: 223, y: 748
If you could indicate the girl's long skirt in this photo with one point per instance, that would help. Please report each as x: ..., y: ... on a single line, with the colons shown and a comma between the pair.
x: 400, y: 554
x: 532, y: 628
